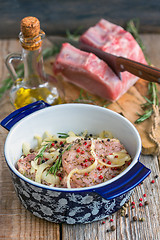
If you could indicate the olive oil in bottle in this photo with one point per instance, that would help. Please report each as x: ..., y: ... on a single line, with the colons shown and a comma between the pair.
x: 35, y: 85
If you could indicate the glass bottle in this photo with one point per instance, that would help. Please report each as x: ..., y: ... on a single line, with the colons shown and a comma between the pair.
x: 36, y: 84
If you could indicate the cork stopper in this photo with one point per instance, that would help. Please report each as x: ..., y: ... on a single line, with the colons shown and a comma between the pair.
x: 31, y: 35
x: 30, y: 27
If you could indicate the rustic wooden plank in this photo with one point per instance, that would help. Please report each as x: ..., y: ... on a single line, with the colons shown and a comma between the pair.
x: 15, y: 221
x: 57, y: 16
x: 23, y: 225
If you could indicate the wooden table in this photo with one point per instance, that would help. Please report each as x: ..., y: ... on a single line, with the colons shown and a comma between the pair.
x: 17, y: 223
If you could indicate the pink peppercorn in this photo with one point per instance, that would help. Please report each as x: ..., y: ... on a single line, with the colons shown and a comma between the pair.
x: 82, y: 152
x: 85, y: 143
x: 141, y: 199
x: 140, y: 204
x: 116, y: 156
x: 103, y: 222
x: 109, y: 162
x: 99, y: 168
x: 152, y: 181
x: 133, y: 207
x: 144, y: 195
x: 86, y: 160
x: 53, y: 144
x: 86, y: 174
x: 104, y: 160
x: 86, y: 165
x: 100, y: 177
x: 78, y: 150
x: 133, y: 203
x: 111, y: 220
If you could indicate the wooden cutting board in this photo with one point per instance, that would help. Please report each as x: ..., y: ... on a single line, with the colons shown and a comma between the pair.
x: 128, y: 105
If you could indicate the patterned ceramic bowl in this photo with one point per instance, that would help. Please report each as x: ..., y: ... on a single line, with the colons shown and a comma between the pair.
x: 80, y: 205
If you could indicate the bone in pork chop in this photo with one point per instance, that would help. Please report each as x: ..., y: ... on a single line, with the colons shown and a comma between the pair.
x: 92, y: 74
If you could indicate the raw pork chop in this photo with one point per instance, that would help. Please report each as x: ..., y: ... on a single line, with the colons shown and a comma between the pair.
x: 92, y: 74
x: 80, y: 157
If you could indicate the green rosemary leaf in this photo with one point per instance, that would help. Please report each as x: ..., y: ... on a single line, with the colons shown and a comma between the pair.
x: 106, y: 105
x: 145, y: 116
x: 51, y: 51
x: 133, y: 27
x: 69, y: 147
x: 63, y: 135
x: 147, y: 100
x: 75, y: 34
x: 84, y: 98
x: 40, y: 154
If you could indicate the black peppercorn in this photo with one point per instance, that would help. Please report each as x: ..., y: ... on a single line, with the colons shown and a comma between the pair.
x: 113, y: 228
x: 134, y: 218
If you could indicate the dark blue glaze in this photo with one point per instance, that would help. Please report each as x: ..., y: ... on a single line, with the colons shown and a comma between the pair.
x: 66, y: 206
x: 20, y: 113
x: 124, y: 184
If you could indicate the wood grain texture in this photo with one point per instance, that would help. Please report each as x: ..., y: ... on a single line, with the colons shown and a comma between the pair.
x: 57, y: 16
x: 17, y: 223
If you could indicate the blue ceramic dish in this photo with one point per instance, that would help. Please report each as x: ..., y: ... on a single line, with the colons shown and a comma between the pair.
x: 78, y: 205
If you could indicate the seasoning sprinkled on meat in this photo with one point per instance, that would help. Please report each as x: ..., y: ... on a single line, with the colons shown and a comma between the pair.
x: 76, y: 161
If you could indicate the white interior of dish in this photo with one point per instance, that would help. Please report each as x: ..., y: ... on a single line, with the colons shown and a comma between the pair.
x: 71, y: 117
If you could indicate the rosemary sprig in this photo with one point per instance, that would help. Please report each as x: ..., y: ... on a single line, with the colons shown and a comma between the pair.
x: 40, y: 154
x: 132, y: 27
x: 58, y: 163
x: 148, y: 106
x: 75, y: 34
